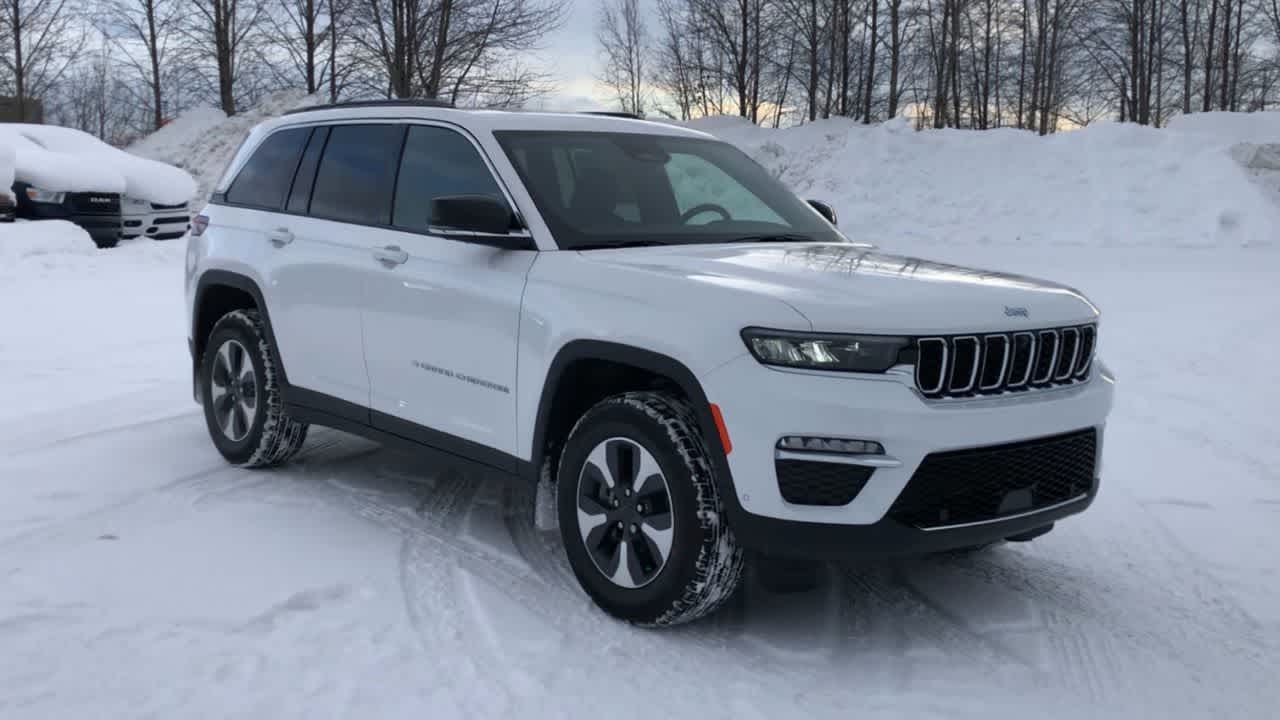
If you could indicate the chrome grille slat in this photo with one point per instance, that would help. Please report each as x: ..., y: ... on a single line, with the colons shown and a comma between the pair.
x: 1023, y: 376
x: 1049, y: 344
x: 1068, y: 348
x: 997, y: 363
x: 988, y: 360
x: 969, y: 350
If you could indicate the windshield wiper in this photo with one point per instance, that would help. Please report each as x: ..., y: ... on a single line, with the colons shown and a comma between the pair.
x: 622, y: 244
x: 779, y: 237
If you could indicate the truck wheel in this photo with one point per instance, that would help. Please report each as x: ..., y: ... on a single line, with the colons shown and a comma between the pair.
x: 106, y: 244
x: 242, y: 405
x: 640, y: 512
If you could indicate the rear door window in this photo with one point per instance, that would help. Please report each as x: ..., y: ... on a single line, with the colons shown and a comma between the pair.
x: 265, y: 179
x: 438, y: 161
x: 357, y: 174
x: 300, y: 196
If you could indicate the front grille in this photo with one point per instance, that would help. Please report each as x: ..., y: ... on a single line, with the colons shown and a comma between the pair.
x: 172, y: 220
x: 96, y: 203
x: 805, y: 482
x: 971, y: 365
x: 968, y: 486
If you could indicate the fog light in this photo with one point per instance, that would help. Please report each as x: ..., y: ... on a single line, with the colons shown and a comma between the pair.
x: 799, y: 443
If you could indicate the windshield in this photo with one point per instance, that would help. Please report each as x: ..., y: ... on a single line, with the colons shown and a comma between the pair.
x: 597, y: 190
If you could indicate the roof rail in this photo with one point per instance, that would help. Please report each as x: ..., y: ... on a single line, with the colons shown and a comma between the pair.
x: 612, y: 113
x: 406, y: 102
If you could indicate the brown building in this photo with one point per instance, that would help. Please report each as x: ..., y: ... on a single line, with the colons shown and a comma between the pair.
x: 9, y: 110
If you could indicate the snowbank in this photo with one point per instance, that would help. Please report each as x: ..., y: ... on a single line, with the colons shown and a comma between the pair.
x: 7, y: 160
x: 1106, y: 185
x: 203, y: 140
x: 60, y: 158
x: 1225, y: 127
x: 22, y: 242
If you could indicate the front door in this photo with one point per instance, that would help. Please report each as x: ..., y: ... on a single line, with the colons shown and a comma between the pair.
x: 442, y: 318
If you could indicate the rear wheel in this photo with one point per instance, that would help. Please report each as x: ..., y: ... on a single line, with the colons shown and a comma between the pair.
x: 242, y: 405
x: 640, y: 513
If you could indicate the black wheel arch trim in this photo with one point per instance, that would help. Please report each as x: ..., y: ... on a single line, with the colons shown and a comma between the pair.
x: 648, y: 360
x: 211, y: 279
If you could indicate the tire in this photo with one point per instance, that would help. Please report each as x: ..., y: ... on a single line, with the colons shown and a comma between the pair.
x: 106, y: 244
x: 703, y: 565
x: 246, y: 421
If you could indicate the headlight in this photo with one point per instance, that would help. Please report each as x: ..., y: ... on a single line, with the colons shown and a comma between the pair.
x: 812, y: 351
x: 44, y: 196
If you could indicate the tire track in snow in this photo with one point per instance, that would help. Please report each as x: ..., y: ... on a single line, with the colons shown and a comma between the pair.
x: 157, y: 503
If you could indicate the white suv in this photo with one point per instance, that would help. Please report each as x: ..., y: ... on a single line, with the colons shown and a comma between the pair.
x: 640, y: 314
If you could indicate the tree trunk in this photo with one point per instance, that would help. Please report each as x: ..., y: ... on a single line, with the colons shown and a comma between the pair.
x: 871, y: 62
x: 153, y: 53
x: 1188, y: 57
x: 1208, y: 56
x: 895, y: 59
x: 20, y: 73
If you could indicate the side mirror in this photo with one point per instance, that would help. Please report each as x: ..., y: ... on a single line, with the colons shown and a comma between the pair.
x: 824, y: 210
x: 480, y: 219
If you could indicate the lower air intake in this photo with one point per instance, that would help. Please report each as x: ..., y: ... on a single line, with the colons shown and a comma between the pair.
x: 804, y: 482
x: 983, y: 484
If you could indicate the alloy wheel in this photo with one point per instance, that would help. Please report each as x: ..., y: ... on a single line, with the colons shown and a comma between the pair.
x: 624, y: 512
x: 233, y: 390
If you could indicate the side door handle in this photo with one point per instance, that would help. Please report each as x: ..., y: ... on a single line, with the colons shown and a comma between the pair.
x: 280, y: 237
x: 390, y: 255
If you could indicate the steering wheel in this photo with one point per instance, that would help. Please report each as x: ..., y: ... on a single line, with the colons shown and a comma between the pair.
x: 697, y: 210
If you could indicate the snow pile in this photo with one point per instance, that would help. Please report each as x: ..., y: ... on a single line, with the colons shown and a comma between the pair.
x: 8, y: 159
x: 203, y: 140
x: 23, y: 242
x: 59, y: 158
x: 1223, y: 127
x: 1106, y: 185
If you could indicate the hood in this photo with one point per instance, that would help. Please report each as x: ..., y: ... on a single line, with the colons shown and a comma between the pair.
x: 855, y: 288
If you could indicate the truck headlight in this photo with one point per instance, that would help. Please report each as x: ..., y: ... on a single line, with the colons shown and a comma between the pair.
x: 815, y: 351
x: 45, y: 196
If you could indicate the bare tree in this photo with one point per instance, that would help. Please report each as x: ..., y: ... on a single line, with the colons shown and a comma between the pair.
x: 42, y: 42
x: 454, y: 48
x: 624, y: 41
x: 148, y: 27
x: 223, y: 31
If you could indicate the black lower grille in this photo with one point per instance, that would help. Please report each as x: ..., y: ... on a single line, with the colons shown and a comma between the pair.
x: 967, y: 486
x: 173, y: 219
x: 805, y: 482
x: 98, y: 203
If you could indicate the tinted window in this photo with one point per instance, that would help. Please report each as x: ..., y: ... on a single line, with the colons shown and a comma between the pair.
x: 357, y: 173
x: 300, y: 196
x: 438, y: 162
x: 605, y: 189
x: 265, y: 179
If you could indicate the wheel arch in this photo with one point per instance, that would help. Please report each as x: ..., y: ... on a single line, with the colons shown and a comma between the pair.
x: 219, y: 292
x: 654, y: 364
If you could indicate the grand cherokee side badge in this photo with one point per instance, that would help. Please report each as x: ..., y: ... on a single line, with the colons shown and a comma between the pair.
x: 1016, y: 312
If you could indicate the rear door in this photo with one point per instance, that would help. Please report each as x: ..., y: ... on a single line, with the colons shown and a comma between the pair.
x: 442, y: 321
x: 317, y: 259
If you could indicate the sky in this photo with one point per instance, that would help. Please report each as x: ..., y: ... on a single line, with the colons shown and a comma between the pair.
x: 573, y: 60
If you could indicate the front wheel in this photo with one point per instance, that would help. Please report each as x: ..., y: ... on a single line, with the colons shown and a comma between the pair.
x: 640, y: 512
x: 241, y: 395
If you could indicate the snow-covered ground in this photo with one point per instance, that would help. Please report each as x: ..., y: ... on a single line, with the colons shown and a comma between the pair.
x: 142, y: 577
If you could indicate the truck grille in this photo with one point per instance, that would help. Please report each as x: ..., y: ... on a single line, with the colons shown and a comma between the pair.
x: 969, y: 365
x: 982, y: 484
x: 94, y: 203
x: 806, y: 482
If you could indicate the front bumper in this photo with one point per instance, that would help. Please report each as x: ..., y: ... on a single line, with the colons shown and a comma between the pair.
x: 167, y: 223
x: 760, y: 405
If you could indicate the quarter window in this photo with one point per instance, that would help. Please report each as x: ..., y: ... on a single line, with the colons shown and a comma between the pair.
x: 265, y: 179
x: 437, y: 162
x: 357, y: 174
